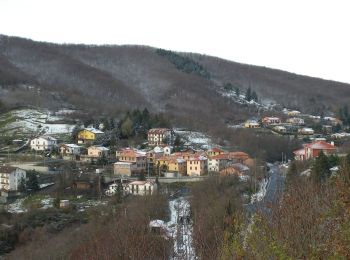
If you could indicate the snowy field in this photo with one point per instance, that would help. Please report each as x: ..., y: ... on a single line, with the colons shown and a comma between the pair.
x: 261, y: 193
x: 194, y: 138
x: 37, y: 121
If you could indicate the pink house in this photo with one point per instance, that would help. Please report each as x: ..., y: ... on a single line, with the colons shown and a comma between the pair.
x: 313, y: 149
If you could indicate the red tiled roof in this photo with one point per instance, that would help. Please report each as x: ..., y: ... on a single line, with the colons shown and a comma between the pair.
x: 220, y: 156
x: 321, y: 145
x: 158, y: 130
x: 216, y: 150
x: 238, y: 154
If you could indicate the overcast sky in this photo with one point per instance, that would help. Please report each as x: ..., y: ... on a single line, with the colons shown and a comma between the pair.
x: 310, y: 37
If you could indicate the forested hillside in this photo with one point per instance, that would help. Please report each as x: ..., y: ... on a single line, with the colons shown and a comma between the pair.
x: 115, y: 78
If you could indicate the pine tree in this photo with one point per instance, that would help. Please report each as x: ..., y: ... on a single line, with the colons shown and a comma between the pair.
x: 320, y: 169
x: 32, y: 183
x: 237, y: 91
x: 248, y: 94
x: 74, y: 135
x: 22, y: 185
x: 254, y: 96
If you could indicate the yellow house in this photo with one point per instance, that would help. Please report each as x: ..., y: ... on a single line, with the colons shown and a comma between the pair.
x: 178, y: 165
x: 164, y: 160
x: 88, y: 135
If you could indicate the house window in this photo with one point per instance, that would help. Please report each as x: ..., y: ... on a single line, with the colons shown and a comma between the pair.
x: 196, y: 168
x: 191, y: 168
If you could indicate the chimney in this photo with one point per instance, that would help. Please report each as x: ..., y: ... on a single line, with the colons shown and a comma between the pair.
x: 332, y: 143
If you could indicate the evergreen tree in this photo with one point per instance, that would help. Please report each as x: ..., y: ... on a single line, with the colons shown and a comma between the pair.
x: 75, y: 132
x: 22, y: 185
x: 248, y: 94
x: 333, y: 160
x: 177, y: 143
x: 254, y: 96
x: 32, y: 183
x: 119, y: 194
x: 237, y: 91
x: 320, y: 169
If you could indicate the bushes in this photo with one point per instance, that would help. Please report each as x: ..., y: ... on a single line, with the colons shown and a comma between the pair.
x: 216, y: 209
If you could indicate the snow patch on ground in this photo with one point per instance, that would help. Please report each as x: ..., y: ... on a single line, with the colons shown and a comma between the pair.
x: 180, y: 226
x: 38, y: 121
x: 82, y: 206
x: 194, y: 138
x: 261, y: 193
x: 16, y: 207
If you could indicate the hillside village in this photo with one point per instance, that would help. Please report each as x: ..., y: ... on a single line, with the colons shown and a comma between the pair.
x: 134, y: 167
x: 167, y: 153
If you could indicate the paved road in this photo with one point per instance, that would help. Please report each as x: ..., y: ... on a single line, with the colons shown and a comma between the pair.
x: 274, y: 191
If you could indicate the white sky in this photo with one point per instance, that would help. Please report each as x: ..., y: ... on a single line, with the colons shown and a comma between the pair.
x: 310, y: 37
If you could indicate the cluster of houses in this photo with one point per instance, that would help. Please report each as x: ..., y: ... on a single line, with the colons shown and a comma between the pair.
x: 130, y: 161
x: 294, y: 124
x: 83, y: 150
x: 187, y: 163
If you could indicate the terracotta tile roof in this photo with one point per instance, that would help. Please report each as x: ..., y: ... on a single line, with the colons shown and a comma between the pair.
x: 158, y: 130
x: 7, y: 169
x: 321, y: 145
x: 220, y: 157
x: 216, y: 150
x: 238, y: 155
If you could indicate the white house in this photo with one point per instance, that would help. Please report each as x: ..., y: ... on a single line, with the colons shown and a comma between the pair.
x: 306, y: 131
x: 296, y: 121
x: 217, y: 162
x: 43, y: 143
x: 280, y: 128
x: 70, y: 149
x: 10, y: 178
x: 167, y: 150
x: 141, y: 187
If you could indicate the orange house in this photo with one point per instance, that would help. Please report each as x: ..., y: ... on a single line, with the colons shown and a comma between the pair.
x: 197, y: 166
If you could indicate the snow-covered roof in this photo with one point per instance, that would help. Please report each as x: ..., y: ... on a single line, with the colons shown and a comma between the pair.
x: 158, y: 149
x: 307, y: 129
x: 48, y: 138
x: 158, y: 130
x: 102, y: 148
x: 240, y: 167
x: 71, y: 145
x: 93, y: 130
x: 142, y: 183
